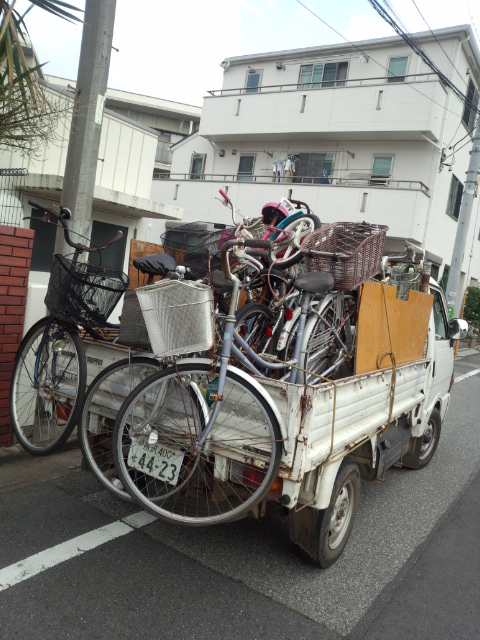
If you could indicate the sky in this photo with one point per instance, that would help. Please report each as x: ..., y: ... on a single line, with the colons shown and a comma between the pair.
x: 173, y: 50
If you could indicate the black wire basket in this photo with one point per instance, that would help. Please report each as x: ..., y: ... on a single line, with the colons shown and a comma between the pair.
x: 83, y: 293
x: 197, y: 245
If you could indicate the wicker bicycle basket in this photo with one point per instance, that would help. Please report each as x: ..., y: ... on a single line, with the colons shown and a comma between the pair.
x: 82, y: 292
x: 350, y: 251
x: 133, y: 331
x: 197, y: 245
x: 178, y: 315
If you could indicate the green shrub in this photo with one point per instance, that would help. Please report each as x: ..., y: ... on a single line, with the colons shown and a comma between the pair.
x: 471, y: 312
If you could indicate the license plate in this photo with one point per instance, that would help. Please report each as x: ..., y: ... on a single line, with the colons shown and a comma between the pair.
x: 156, y: 460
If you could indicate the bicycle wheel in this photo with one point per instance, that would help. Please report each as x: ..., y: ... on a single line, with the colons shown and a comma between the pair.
x: 233, y: 471
x: 103, y: 399
x: 44, y: 412
x: 286, y: 255
x: 254, y: 323
x: 320, y: 349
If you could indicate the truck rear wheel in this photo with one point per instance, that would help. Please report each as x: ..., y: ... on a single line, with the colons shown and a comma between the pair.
x: 423, y: 449
x: 324, y: 533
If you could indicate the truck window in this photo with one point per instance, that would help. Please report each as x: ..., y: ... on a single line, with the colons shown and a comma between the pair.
x: 439, y: 317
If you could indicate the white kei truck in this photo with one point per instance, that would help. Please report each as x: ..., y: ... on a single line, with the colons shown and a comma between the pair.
x: 337, y: 433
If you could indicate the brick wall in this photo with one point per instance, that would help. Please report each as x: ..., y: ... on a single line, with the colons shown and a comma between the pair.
x: 15, y: 256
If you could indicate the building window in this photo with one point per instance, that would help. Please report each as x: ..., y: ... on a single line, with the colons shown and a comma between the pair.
x: 314, y: 168
x: 331, y: 74
x: 197, y: 166
x: 245, y: 168
x: 43, y: 243
x: 165, y: 141
x: 471, y: 105
x: 397, y: 68
x: 252, y: 83
x: 114, y: 257
x: 454, y: 198
x: 381, y: 171
x: 161, y: 174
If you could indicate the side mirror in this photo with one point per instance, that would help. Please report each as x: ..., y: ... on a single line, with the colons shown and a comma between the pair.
x: 457, y: 329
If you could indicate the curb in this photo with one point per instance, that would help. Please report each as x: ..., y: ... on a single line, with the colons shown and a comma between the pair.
x: 16, y: 452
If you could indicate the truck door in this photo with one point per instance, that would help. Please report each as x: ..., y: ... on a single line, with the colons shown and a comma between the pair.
x: 444, y: 349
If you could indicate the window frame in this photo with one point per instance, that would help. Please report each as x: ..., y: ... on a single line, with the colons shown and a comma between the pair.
x: 381, y: 179
x: 394, y: 79
x: 256, y: 72
x: 195, y: 157
x: 244, y: 176
x: 323, y: 84
x: 468, y: 115
x: 455, y: 203
x: 438, y: 304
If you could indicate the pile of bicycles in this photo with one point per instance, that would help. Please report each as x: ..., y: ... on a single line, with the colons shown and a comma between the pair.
x: 188, y: 431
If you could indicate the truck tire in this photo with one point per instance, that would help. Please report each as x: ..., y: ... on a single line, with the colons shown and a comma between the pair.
x: 323, y: 533
x: 423, y: 449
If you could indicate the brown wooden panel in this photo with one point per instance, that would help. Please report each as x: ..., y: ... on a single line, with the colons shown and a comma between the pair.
x: 408, y: 320
x: 140, y: 249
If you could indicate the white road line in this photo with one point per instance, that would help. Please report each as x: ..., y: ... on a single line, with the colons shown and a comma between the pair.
x: 43, y: 560
x: 467, y: 375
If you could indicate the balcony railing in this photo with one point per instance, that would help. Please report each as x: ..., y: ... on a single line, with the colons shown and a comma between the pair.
x: 349, y: 180
x: 309, y: 86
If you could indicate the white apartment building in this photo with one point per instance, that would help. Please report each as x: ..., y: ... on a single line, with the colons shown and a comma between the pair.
x: 363, y: 125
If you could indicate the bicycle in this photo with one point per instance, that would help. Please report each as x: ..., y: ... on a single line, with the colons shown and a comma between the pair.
x: 200, y: 442
x: 280, y: 223
x: 112, y: 385
x: 50, y: 372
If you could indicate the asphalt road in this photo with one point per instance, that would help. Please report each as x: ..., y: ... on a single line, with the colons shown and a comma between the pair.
x: 411, y: 568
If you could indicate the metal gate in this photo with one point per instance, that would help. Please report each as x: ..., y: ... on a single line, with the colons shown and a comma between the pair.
x: 12, y: 183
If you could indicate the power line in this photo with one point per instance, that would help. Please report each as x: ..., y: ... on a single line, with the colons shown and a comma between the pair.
x: 368, y: 56
x: 415, y: 46
x: 456, y: 131
x: 456, y: 150
x: 440, y: 44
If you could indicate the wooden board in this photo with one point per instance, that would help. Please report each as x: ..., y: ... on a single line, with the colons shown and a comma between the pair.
x: 408, y: 320
x: 139, y: 249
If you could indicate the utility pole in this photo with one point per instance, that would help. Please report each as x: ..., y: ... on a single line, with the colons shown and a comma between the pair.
x: 84, y: 141
x: 453, y: 300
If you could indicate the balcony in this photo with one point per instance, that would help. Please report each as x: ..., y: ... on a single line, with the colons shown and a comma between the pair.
x: 401, y: 204
x: 363, y: 107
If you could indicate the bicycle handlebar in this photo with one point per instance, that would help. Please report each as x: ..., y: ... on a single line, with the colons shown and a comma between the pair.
x: 224, y: 195
x: 241, y: 243
x: 64, y: 215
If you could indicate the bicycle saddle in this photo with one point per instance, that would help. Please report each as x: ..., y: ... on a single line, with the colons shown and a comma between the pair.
x: 158, y: 264
x: 314, y: 282
x: 219, y: 283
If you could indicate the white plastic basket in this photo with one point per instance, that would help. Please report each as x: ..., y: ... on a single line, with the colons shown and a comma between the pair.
x: 178, y: 316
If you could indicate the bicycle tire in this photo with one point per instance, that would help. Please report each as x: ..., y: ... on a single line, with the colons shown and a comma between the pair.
x: 253, y: 322
x: 107, y: 392
x: 44, y: 417
x: 290, y: 260
x: 208, y: 487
